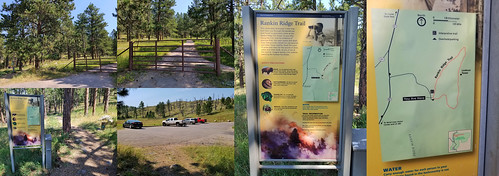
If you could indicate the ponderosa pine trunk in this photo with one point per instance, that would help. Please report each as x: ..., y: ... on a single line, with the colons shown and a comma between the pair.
x: 106, y: 99
x: 66, y: 114
x: 86, y: 102
x: 94, y: 102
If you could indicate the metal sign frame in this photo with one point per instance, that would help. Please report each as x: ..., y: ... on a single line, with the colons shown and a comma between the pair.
x: 9, y: 123
x: 348, y: 58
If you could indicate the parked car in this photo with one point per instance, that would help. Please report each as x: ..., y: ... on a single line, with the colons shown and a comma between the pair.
x: 191, y: 120
x: 174, y: 121
x: 132, y: 124
x: 200, y: 120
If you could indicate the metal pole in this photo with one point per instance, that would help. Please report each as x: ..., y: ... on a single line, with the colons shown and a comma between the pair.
x: 490, y: 90
x: 130, y: 55
x: 42, y: 128
x: 9, y: 124
x: 348, y: 85
x: 251, y: 91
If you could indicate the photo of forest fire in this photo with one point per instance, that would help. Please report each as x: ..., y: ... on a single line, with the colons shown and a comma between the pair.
x: 281, y: 138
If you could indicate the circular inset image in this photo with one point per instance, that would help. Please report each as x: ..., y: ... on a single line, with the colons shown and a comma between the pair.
x: 13, y: 119
x: 267, y: 96
x: 267, y: 84
x: 15, y: 123
x: 267, y: 70
x: 267, y: 108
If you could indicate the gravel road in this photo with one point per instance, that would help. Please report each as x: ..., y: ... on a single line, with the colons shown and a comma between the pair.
x: 203, y: 134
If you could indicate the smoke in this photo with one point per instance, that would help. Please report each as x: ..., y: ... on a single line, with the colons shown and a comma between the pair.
x: 284, y: 139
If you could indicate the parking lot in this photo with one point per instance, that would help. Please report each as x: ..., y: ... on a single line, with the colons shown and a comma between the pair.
x: 203, y: 134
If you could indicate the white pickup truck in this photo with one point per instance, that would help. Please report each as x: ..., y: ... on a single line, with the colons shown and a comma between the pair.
x: 174, y: 121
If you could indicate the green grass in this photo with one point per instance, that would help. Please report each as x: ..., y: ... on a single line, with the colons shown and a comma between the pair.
x: 215, y: 160
x: 123, y: 59
x: 91, y: 64
x: 225, y: 58
x: 132, y: 161
x: 242, y: 151
x: 49, y: 69
x: 225, y: 80
x: 126, y: 76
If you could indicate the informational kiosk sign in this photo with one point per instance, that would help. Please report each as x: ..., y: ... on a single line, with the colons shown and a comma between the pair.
x: 25, y: 122
x: 300, y: 69
x: 424, y: 80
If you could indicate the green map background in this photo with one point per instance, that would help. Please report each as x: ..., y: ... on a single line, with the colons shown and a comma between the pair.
x: 413, y: 51
x: 320, y: 88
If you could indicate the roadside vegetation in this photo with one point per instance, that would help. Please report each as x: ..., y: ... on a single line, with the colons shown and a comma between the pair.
x: 132, y: 161
x: 215, y: 160
x: 40, y: 40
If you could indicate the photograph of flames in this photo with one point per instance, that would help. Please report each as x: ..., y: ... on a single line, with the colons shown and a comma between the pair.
x: 283, y: 138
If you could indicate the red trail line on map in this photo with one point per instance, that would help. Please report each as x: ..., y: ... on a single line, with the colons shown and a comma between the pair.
x: 436, y: 82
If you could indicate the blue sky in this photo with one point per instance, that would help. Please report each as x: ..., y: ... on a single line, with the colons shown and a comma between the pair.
x: 105, y: 6
x: 152, y: 96
x: 182, y: 5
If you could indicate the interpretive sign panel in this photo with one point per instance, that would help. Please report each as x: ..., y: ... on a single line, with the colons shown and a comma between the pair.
x: 424, y: 84
x: 25, y: 121
x: 299, y: 67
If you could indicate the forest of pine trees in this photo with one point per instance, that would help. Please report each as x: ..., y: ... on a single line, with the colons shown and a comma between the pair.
x: 33, y: 31
x: 178, y: 108
x: 155, y: 19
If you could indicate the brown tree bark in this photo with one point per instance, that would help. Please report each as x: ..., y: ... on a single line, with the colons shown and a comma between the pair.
x: 66, y: 114
x: 363, y: 60
x: 94, y: 100
x: 86, y: 102
x: 106, y: 99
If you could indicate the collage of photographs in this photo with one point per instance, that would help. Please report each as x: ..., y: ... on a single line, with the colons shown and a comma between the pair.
x: 249, y: 87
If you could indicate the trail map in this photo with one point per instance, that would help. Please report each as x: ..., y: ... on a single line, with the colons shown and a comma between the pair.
x: 321, y: 73
x: 424, y: 67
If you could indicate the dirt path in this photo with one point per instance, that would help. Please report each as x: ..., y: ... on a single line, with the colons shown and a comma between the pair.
x: 88, y: 156
x: 167, y: 79
x: 92, y: 78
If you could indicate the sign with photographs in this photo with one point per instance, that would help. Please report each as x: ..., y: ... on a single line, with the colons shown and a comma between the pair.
x: 299, y: 66
x: 25, y: 121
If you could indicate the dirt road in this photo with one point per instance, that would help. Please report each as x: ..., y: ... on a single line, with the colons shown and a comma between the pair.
x: 202, y: 134
x: 92, y: 78
x: 88, y: 156
x: 168, y: 79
